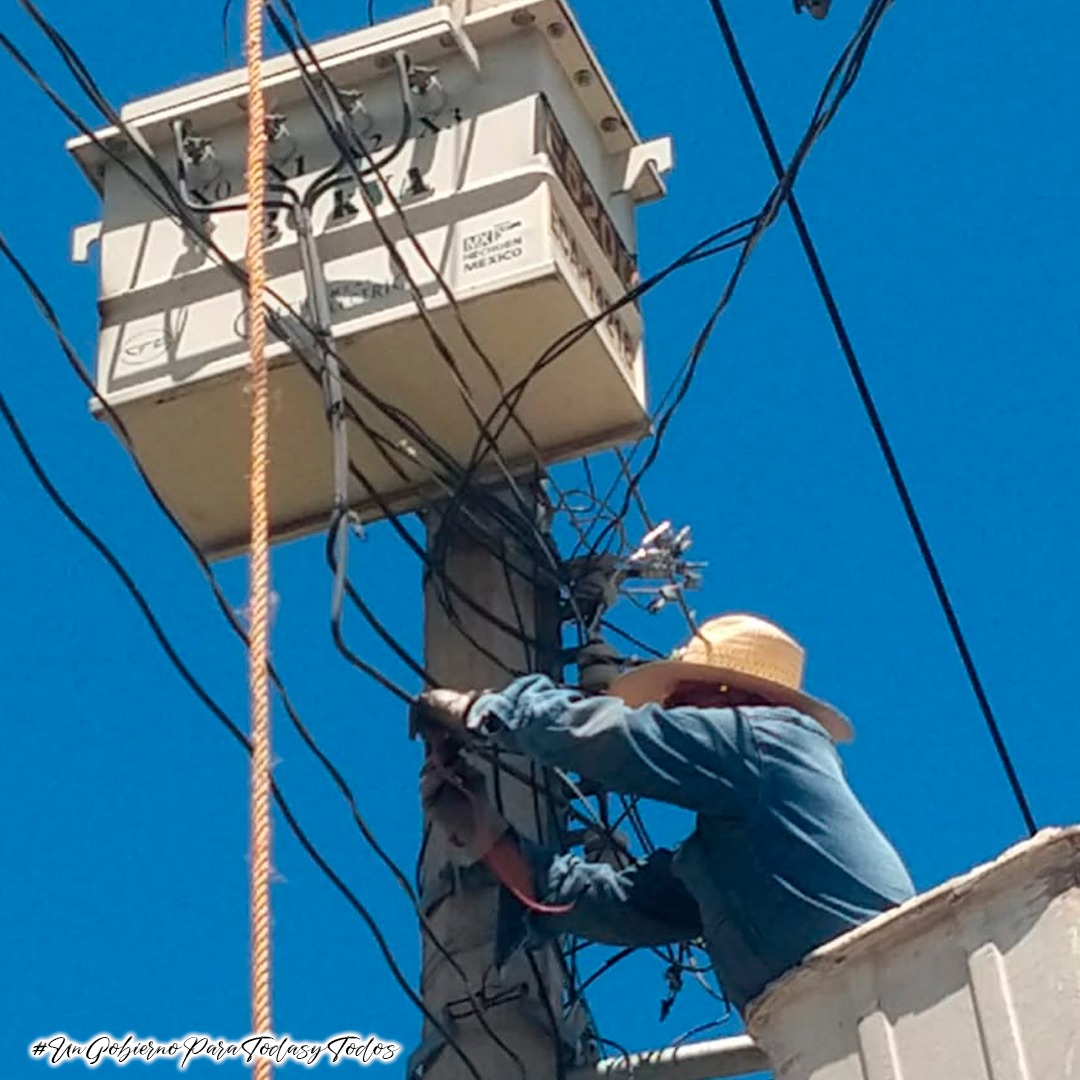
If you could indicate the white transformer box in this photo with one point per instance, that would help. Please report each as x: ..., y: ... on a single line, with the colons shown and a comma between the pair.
x: 518, y: 181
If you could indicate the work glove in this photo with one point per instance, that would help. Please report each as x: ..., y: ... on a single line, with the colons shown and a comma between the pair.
x: 455, y: 798
x: 445, y: 712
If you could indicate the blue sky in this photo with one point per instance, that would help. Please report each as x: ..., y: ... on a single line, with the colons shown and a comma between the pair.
x: 942, y: 204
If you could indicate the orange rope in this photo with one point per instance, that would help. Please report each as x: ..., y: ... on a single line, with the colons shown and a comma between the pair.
x: 259, y: 584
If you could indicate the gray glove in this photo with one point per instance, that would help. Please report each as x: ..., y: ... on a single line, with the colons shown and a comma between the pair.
x: 445, y: 712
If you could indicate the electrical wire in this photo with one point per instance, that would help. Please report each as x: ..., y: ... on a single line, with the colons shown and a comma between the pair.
x: 226, y: 10
x: 712, y: 245
x: 544, y: 993
x: 339, y: 780
x: 694, y: 1032
x: 693, y: 254
x: 542, y: 546
x: 707, y: 248
x: 442, y: 583
x: 338, y: 532
x: 606, y: 966
x: 623, y: 1052
x: 648, y: 649
x: 49, y: 315
x: 337, y: 107
x: 866, y: 29
x: 332, y: 111
x: 45, y: 308
x: 838, y: 85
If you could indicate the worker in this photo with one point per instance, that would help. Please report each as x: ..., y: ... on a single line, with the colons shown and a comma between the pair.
x: 783, y: 856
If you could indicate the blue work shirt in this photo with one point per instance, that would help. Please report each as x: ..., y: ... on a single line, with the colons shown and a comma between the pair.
x: 783, y: 856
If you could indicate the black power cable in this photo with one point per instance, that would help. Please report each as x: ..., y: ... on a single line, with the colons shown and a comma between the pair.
x: 838, y: 85
x: 866, y: 397
x: 336, y: 107
x: 710, y: 246
x: 332, y: 111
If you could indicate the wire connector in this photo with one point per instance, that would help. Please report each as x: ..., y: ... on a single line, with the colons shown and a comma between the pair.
x: 597, y: 583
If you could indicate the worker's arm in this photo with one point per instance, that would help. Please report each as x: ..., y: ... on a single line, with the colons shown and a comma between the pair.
x: 703, y: 760
x: 644, y: 904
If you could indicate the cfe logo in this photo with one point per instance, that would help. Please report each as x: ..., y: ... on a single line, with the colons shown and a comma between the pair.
x: 145, y: 347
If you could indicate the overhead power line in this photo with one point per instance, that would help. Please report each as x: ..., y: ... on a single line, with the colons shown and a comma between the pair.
x: 857, y: 50
x: 327, y: 100
x: 837, y: 86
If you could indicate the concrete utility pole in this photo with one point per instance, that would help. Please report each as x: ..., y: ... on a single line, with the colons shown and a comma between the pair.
x: 462, y: 904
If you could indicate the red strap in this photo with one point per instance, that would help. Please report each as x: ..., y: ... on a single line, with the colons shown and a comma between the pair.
x: 505, y: 860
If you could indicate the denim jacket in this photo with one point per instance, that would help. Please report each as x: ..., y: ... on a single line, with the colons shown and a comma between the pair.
x: 782, y: 858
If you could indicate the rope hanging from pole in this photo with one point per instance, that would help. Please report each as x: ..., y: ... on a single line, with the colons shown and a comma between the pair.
x: 259, y: 565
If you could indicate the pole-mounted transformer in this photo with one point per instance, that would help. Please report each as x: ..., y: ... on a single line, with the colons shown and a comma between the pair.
x: 518, y: 174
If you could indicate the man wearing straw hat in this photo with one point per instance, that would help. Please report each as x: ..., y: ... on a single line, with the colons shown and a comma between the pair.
x: 783, y: 856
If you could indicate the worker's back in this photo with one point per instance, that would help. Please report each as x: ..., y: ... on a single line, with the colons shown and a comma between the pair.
x: 799, y: 862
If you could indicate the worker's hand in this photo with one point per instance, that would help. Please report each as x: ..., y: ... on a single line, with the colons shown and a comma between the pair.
x: 455, y: 798
x: 443, y: 711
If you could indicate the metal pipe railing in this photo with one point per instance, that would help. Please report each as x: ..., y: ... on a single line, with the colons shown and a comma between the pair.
x: 713, y: 1060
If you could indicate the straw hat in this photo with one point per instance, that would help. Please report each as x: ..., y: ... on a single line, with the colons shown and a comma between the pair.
x: 745, y: 651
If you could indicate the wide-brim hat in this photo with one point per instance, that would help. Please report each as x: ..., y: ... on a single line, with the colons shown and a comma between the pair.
x: 743, y: 651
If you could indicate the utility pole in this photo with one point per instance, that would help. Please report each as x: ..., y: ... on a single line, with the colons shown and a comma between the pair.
x: 462, y: 904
